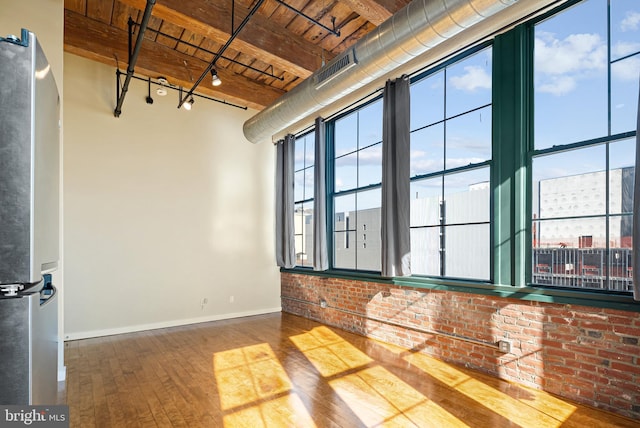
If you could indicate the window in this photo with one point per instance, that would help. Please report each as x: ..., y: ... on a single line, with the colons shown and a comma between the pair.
x: 450, y: 157
x: 522, y: 160
x: 303, y: 196
x: 586, y: 70
x: 357, y: 165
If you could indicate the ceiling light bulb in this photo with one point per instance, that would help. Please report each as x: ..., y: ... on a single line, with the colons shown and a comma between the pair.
x: 215, y: 80
x: 187, y: 105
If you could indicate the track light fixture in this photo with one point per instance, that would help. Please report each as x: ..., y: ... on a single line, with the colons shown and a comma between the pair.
x: 187, y: 105
x: 162, y: 90
x: 215, y: 80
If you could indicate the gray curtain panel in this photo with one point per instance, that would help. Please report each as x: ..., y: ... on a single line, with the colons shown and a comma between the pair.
x: 285, y: 230
x: 396, y: 245
x: 636, y: 213
x: 320, y: 250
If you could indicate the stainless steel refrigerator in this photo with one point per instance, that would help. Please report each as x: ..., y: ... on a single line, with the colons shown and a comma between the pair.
x: 29, y: 222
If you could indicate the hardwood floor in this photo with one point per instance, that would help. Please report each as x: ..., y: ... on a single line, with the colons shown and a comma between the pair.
x: 281, y: 370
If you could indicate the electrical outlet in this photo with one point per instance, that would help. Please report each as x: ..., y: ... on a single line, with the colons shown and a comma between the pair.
x: 232, y: 299
x: 323, y: 303
x: 504, y: 346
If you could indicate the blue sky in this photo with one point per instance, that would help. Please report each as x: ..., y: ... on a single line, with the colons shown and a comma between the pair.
x: 571, y: 68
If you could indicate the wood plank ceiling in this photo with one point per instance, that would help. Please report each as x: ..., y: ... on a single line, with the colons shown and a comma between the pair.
x: 272, y: 54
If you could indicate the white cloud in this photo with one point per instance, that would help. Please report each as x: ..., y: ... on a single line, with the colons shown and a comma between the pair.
x: 576, y: 53
x: 474, y: 78
x: 623, y: 48
x: 628, y: 69
x: 561, y: 63
x: 631, y: 21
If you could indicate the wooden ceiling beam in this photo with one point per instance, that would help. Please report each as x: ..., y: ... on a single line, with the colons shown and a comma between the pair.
x: 100, y: 42
x: 375, y: 11
x: 261, y: 38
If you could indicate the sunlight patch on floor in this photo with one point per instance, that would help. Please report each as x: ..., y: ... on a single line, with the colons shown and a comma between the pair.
x: 255, y: 391
x: 519, y: 410
x: 280, y: 412
x: 375, y: 395
x: 329, y: 353
x: 379, y: 398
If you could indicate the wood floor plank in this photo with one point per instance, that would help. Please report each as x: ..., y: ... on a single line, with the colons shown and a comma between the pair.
x: 280, y: 370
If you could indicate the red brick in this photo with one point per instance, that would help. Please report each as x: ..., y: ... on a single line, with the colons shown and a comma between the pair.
x: 627, y: 368
x: 560, y: 369
x: 593, y: 377
x: 582, y: 348
x: 615, y: 356
x: 559, y: 320
x: 621, y: 404
x: 594, y: 359
x: 594, y: 326
x: 588, y: 313
x: 626, y: 349
x: 627, y: 330
x: 631, y: 387
x: 553, y: 344
x: 620, y: 319
x: 616, y: 376
x: 559, y: 353
x: 557, y: 310
x: 579, y: 364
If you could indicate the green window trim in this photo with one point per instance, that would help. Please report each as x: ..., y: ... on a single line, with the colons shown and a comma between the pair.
x: 510, y: 175
x: 511, y: 188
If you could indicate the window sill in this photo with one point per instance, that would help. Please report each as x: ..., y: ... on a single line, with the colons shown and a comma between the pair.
x: 530, y: 293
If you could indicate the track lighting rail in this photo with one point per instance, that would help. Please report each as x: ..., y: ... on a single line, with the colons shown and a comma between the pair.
x: 121, y: 91
x: 178, y: 40
x: 307, y: 17
x: 173, y: 87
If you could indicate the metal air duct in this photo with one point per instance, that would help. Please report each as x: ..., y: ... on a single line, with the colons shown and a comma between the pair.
x: 418, y: 27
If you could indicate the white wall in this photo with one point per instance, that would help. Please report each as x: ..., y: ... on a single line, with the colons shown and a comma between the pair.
x: 45, y: 18
x: 163, y: 208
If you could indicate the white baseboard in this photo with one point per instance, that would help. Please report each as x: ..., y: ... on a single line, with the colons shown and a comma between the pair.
x: 164, y: 324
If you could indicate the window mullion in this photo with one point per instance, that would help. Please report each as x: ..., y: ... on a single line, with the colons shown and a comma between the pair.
x: 510, y: 174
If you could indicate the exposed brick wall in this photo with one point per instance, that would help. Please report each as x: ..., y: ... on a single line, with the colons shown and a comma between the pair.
x: 587, y: 354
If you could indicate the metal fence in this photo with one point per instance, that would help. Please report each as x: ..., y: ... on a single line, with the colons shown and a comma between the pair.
x: 584, y: 268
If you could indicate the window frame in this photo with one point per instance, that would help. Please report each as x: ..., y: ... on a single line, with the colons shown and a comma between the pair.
x: 598, y: 141
x: 305, y: 201
x: 444, y: 172
x: 510, y: 182
x: 332, y: 193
